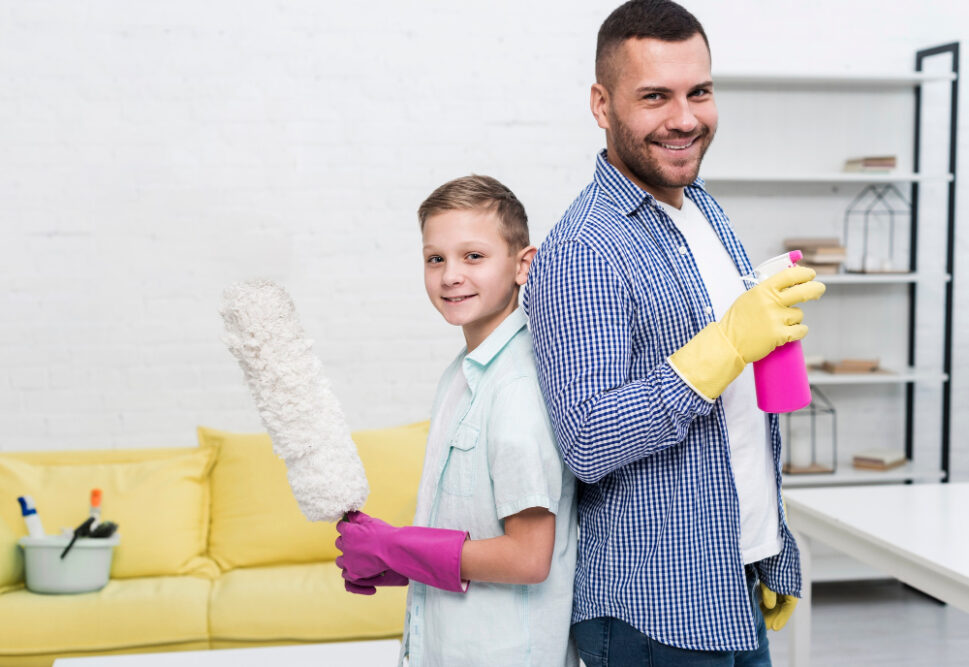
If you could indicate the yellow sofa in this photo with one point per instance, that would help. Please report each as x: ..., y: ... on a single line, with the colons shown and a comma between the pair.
x: 214, y: 551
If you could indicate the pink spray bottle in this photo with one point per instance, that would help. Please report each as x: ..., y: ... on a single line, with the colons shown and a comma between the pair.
x: 781, y: 377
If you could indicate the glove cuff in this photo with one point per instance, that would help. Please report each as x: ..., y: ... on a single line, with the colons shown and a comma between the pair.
x: 429, y: 555
x: 708, y: 362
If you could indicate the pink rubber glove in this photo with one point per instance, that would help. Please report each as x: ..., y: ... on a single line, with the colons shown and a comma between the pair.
x: 370, y: 547
x: 369, y: 586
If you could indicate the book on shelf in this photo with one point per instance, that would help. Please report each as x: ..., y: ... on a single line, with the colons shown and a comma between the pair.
x: 850, y: 366
x: 811, y: 244
x: 873, y: 163
x: 879, y: 459
x: 822, y: 269
x: 824, y: 255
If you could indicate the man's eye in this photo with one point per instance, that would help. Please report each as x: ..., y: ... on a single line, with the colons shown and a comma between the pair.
x: 652, y: 97
x: 700, y: 92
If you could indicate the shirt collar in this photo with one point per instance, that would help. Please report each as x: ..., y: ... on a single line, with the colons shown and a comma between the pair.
x: 479, y: 358
x: 627, y: 195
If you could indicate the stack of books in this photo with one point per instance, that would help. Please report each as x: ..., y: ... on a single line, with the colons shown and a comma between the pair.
x: 878, y: 459
x: 850, y: 366
x: 824, y: 255
x: 871, y: 163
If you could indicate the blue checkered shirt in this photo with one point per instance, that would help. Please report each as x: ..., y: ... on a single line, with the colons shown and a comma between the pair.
x: 613, y: 292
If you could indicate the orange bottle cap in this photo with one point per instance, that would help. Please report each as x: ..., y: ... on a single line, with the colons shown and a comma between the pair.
x: 95, y: 497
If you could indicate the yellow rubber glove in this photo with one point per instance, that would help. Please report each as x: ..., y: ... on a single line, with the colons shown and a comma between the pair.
x: 777, y: 609
x: 758, y: 321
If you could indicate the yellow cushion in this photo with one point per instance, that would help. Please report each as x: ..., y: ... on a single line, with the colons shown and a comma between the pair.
x: 11, y: 559
x: 154, y: 611
x: 304, y: 602
x: 160, y: 504
x: 88, y: 456
x: 255, y: 518
x: 11, y: 556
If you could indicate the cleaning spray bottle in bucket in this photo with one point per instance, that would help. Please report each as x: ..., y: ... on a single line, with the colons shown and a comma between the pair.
x: 781, y: 377
x: 29, y: 512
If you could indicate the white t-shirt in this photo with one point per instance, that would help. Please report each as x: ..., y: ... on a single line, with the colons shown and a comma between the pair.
x: 750, y: 450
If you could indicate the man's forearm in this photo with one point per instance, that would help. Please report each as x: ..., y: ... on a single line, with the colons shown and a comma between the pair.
x: 602, y: 432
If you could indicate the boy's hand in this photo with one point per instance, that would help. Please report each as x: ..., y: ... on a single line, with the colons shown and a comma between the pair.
x: 369, y: 586
x: 372, y: 547
x: 777, y: 609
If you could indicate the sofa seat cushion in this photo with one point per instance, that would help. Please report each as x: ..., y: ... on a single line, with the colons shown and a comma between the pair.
x: 127, y: 613
x: 255, y: 518
x: 303, y: 602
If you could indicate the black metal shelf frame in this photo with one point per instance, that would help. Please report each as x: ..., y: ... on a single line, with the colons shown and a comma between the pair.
x: 953, y: 51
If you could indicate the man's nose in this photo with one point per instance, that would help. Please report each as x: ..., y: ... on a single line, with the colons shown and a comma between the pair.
x: 681, y: 116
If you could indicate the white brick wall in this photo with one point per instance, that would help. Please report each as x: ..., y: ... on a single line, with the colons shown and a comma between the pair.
x: 154, y: 153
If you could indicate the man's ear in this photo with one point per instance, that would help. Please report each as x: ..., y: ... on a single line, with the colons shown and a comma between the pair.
x: 599, y: 104
x: 525, y: 257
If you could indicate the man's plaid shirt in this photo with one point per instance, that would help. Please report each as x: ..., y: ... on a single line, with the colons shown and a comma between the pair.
x: 612, y: 293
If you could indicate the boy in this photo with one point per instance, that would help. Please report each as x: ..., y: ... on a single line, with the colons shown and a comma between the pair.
x: 496, y: 505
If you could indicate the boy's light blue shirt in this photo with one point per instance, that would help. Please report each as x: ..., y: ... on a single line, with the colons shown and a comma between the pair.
x: 498, y: 457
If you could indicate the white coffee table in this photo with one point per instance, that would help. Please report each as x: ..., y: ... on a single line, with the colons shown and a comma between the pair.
x: 382, y: 653
x: 916, y: 533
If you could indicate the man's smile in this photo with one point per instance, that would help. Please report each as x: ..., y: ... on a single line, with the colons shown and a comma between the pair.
x: 677, y: 147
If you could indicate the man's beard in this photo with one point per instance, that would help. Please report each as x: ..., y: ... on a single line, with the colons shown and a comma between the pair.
x: 637, y: 155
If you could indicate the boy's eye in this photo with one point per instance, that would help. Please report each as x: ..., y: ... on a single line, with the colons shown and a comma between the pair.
x: 475, y: 256
x: 434, y: 259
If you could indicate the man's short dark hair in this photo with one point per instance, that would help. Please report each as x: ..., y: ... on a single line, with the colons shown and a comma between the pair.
x: 640, y: 19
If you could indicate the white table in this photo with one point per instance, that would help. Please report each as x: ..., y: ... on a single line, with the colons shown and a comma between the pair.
x: 381, y: 653
x: 917, y: 533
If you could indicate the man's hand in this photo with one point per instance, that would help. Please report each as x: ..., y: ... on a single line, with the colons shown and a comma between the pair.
x: 777, y: 609
x: 761, y: 319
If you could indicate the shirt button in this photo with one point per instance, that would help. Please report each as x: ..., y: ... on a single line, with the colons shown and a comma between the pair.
x: 682, y: 249
x: 707, y: 310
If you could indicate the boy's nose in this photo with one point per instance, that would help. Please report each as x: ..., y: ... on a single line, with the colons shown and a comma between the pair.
x: 452, y: 277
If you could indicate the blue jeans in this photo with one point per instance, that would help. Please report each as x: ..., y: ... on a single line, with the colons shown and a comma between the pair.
x: 609, y: 642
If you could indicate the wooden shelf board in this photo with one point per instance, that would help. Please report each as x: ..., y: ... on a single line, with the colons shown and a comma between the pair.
x: 879, y: 278
x: 846, y: 474
x: 905, y: 376
x: 834, y: 79
x: 832, y: 177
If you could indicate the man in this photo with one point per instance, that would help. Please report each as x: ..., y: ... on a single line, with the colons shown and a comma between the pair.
x: 643, y: 332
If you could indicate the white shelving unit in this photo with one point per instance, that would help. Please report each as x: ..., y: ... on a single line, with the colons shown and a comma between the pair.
x: 845, y: 476
x: 827, y: 177
x: 853, y: 80
x: 903, y: 376
x: 804, y: 181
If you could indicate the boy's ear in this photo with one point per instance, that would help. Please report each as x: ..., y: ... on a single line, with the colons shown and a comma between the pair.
x: 525, y: 257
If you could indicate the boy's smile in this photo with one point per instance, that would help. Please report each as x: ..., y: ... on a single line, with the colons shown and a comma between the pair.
x: 471, y: 274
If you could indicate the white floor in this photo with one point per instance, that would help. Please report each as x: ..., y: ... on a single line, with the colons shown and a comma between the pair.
x: 879, y: 623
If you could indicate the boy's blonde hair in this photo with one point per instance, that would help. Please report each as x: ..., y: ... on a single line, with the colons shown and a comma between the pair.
x: 481, y: 192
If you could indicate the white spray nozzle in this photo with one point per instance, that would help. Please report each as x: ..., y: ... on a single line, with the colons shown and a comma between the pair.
x: 774, y: 265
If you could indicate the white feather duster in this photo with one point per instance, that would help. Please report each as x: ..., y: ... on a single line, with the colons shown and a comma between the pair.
x: 294, y: 400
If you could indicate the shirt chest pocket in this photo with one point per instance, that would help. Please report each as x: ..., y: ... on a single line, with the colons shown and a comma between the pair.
x: 460, y: 468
